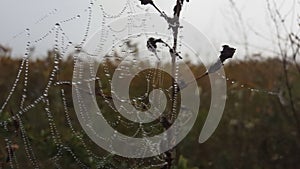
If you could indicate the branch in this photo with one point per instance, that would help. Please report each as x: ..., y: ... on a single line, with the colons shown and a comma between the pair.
x: 284, y: 56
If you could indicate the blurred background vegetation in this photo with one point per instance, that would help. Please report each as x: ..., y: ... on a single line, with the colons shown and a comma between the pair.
x: 259, y: 128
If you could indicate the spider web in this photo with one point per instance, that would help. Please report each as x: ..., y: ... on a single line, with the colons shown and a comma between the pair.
x: 14, y: 126
x: 62, y: 152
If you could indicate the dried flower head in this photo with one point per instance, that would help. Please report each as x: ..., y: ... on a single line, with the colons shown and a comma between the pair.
x: 152, y: 45
x: 146, y: 2
x: 226, y: 53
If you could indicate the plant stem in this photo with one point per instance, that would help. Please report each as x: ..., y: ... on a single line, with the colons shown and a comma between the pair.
x: 177, y: 10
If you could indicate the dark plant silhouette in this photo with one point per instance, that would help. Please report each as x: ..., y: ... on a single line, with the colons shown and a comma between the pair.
x: 226, y: 53
x: 152, y: 43
x: 152, y: 46
x: 145, y: 2
x: 178, y: 7
x: 174, y: 24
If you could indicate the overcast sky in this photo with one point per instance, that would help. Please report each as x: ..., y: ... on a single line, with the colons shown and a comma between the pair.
x: 214, y: 18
